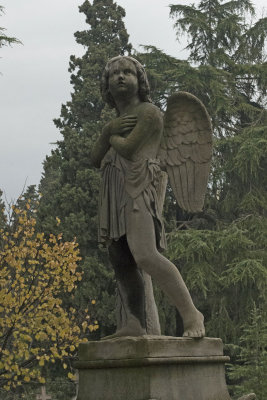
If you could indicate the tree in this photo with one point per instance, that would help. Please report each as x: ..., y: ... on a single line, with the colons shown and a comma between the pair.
x: 69, y: 186
x: 250, y: 372
x: 224, y: 260
x: 230, y: 76
x: 2, y: 212
x: 222, y: 251
x: 229, y: 81
x: 4, y: 39
x: 35, y: 328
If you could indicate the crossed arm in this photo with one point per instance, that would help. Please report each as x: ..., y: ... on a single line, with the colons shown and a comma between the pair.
x: 141, y: 129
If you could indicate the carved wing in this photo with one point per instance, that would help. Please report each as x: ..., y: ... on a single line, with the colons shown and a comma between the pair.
x: 186, y: 149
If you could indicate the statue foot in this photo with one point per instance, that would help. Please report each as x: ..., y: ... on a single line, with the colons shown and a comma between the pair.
x: 125, y: 332
x: 194, y: 326
x: 133, y: 328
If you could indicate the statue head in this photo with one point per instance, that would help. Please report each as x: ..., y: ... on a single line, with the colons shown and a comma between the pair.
x: 143, y: 90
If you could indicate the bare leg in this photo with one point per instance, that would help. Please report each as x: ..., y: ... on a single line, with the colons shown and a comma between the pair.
x: 142, y: 243
x: 131, y: 289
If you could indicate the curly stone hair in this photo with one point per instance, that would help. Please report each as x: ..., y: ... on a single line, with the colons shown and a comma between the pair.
x: 144, y: 89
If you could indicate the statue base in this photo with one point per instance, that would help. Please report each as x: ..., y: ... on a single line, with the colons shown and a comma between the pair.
x: 152, y: 368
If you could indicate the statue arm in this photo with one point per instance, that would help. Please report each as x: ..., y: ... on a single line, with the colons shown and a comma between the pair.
x: 101, y: 147
x: 149, y: 123
x: 118, y: 126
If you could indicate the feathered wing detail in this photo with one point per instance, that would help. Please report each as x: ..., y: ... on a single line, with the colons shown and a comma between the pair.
x: 186, y: 149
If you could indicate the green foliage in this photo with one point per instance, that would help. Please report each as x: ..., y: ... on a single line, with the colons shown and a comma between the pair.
x: 58, y: 387
x: 245, y: 191
x: 99, y: 279
x: 4, y: 39
x: 3, y: 217
x: 220, y: 264
x: 214, y: 27
x: 163, y: 72
x: 251, y: 370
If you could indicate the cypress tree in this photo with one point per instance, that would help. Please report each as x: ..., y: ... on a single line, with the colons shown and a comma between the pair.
x: 69, y: 186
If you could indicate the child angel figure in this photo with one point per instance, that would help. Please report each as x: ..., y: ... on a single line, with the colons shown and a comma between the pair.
x: 130, y: 223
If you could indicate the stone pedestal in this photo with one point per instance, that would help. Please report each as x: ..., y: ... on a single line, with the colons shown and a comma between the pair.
x: 152, y: 368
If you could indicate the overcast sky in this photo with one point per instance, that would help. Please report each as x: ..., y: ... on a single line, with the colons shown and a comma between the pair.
x: 34, y: 79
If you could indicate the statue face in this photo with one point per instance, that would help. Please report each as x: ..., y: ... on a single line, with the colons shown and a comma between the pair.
x: 123, y: 82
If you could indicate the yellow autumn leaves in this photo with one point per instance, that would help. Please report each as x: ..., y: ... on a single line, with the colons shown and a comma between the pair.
x: 35, y: 329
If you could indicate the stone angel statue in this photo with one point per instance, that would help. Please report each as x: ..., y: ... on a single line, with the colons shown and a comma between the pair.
x: 132, y: 152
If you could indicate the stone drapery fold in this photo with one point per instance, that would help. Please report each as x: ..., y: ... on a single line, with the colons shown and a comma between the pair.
x: 124, y: 181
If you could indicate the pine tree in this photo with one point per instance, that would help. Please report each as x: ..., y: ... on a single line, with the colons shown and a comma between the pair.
x: 69, y: 186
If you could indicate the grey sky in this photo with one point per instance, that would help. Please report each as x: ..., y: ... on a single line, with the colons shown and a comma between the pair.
x: 35, y: 81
